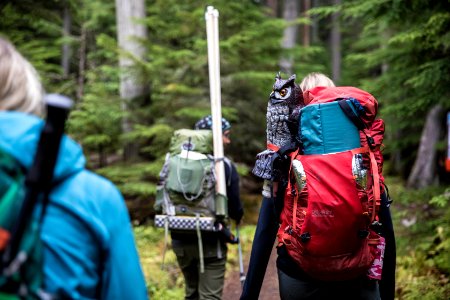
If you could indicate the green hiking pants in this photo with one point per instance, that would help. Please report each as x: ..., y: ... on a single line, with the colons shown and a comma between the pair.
x: 201, y: 286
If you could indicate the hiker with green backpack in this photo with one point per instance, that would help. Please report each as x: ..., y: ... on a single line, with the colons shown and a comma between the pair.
x: 188, y: 206
x: 297, y: 208
x: 76, y: 241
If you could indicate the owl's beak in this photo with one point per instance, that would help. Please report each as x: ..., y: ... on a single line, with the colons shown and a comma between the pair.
x: 274, y: 100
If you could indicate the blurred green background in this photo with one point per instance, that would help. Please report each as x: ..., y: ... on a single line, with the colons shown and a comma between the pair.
x: 133, y: 89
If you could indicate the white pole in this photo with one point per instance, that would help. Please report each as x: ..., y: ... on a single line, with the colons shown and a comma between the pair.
x: 212, y: 32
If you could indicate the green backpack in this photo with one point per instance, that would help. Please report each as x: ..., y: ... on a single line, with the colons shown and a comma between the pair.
x: 23, y: 278
x: 187, y: 199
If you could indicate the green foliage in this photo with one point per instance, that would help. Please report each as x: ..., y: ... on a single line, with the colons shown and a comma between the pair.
x: 242, y: 169
x: 36, y: 34
x: 177, y: 66
x: 154, y: 140
x: 164, y: 283
x: 175, y: 69
x: 96, y: 122
x: 397, y: 50
x: 136, y: 181
x: 441, y: 200
x: 402, y: 56
x: 423, y: 241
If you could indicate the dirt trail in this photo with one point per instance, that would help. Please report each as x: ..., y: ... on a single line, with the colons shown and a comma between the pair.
x: 269, y: 290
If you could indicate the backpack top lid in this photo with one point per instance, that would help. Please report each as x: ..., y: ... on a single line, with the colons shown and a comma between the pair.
x: 323, y: 94
x: 192, y: 140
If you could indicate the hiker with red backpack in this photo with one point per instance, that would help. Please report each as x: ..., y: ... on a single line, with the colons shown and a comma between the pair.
x: 328, y: 177
x: 78, y: 242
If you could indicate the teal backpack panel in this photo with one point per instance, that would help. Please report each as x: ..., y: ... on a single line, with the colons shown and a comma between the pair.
x: 12, y: 192
x: 12, y: 195
x: 324, y: 128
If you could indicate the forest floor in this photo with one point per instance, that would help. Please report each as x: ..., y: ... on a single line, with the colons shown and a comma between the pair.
x: 269, y: 290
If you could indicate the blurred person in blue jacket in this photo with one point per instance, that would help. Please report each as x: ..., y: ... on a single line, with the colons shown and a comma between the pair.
x: 89, y: 248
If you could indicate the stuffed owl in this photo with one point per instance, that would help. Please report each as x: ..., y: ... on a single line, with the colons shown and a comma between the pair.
x: 283, y: 108
x: 285, y: 102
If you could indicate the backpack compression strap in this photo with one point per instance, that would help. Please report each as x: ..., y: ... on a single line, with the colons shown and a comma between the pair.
x: 350, y: 113
x: 376, y: 180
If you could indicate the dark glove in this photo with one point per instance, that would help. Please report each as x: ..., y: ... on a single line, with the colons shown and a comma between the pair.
x: 263, y: 164
x: 225, y: 234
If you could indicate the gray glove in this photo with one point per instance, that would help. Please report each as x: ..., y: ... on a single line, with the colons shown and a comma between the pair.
x: 283, y: 108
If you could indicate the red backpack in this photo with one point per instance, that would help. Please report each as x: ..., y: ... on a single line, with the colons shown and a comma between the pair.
x: 335, y: 180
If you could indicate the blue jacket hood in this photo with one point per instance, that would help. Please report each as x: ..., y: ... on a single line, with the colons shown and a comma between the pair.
x: 19, y: 136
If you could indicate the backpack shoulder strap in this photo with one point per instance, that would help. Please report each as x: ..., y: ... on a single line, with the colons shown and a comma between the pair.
x: 228, y: 162
x: 351, y: 114
x: 40, y: 175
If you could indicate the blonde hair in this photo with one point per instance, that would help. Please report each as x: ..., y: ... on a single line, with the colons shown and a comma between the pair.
x: 315, y: 79
x: 20, y: 87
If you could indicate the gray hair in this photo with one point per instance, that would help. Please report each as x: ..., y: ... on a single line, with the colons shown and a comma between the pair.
x: 315, y: 79
x: 20, y: 86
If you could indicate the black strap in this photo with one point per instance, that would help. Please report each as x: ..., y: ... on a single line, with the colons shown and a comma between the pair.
x: 285, y: 149
x: 40, y: 175
x: 280, y: 165
x: 350, y: 113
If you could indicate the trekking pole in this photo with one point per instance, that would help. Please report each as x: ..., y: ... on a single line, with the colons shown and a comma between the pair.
x: 39, y: 177
x: 241, y: 263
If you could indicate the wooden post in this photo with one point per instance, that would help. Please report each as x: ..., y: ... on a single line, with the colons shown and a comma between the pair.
x: 212, y: 33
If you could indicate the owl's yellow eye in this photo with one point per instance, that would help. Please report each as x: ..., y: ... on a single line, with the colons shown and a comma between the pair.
x: 283, y: 92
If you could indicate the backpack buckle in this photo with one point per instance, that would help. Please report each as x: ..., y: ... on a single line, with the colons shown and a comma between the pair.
x: 305, y: 237
x: 363, y: 233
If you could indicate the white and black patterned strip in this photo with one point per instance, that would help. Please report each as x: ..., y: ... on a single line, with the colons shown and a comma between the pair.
x: 185, y: 223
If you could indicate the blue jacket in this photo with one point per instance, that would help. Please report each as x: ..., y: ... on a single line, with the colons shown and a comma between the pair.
x: 89, y: 248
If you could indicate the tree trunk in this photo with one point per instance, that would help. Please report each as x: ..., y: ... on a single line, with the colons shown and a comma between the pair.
x: 335, y: 40
x: 66, y: 49
x: 273, y: 4
x: 290, y: 13
x: 306, y: 27
x: 396, y: 158
x: 129, y: 32
x: 423, y: 172
x: 102, y: 158
x: 315, y: 24
x: 82, y: 62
